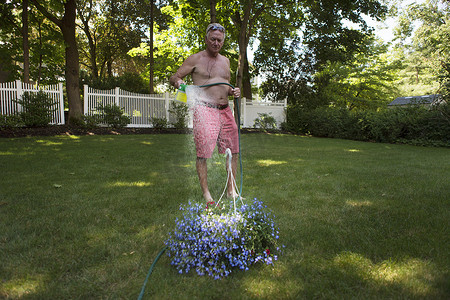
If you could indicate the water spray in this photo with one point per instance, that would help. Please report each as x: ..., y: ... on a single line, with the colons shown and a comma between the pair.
x: 182, y: 96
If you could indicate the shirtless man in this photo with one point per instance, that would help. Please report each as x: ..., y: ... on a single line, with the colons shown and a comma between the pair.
x: 213, y: 119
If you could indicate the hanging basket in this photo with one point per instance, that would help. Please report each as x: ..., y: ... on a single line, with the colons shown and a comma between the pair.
x: 216, y: 239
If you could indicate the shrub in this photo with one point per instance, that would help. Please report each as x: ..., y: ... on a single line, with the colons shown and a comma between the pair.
x: 159, y: 123
x: 113, y: 116
x: 37, y: 109
x: 181, y: 112
x: 413, y: 124
x: 10, y: 121
x: 265, y: 122
x: 90, y: 121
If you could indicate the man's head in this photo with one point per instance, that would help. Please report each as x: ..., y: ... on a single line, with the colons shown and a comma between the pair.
x: 213, y: 27
x: 215, y: 36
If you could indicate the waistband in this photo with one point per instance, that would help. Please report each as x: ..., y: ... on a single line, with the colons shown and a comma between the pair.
x: 216, y: 106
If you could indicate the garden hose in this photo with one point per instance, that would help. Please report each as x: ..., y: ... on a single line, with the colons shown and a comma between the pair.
x: 150, y: 272
x: 236, y: 100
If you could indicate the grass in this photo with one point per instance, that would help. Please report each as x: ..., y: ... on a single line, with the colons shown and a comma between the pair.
x: 84, y: 218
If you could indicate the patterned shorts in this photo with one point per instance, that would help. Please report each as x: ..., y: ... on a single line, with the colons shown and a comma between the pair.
x: 214, y: 126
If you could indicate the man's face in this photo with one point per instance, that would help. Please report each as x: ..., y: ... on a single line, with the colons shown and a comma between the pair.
x: 214, y: 41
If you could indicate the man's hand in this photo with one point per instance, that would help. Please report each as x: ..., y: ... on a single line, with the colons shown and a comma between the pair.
x: 178, y: 83
x: 236, y: 92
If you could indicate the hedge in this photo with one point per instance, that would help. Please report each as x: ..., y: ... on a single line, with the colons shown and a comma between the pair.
x: 412, y: 124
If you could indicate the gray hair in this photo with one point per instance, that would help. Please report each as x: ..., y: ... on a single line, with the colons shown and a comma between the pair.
x: 215, y: 26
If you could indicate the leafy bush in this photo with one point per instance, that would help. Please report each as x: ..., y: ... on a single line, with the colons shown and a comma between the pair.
x: 90, y: 121
x: 181, y: 112
x: 414, y: 124
x: 265, y: 122
x: 10, y: 121
x: 113, y: 116
x: 37, y: 109
x: 217, y: 239
x: 159, y: 123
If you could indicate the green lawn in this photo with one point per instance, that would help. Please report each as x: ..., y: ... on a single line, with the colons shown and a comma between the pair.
x: 84, y: 218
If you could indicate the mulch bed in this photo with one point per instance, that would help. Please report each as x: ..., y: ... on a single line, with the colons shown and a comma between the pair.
x: 70, y: 130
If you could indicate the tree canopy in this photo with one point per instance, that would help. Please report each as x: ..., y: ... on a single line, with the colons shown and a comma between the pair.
x: 304, y: 50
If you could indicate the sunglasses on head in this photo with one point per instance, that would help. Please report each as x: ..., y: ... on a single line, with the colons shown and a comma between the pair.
x: 215, y: 27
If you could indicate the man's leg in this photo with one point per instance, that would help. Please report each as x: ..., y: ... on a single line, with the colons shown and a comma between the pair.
x: 202, y: 172
x: 231, y: 188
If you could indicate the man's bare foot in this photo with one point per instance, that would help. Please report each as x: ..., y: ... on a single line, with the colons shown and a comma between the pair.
x: 232, y: 195
x: 207, y: 197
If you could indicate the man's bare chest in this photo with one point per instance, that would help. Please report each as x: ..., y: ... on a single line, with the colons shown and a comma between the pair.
x: 212, y: 68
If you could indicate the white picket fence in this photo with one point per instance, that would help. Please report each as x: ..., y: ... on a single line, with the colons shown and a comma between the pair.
x: 11, y: 91
x: 142, y: 107
x: 139, y: 107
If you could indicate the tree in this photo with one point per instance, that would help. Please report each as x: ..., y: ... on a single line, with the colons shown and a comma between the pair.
x: 422, y: 45
x: 38, y: 46
x: 365, y: 83
x: 66, y: 23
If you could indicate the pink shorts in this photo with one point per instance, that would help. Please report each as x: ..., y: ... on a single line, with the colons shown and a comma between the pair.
x: 214, y: 126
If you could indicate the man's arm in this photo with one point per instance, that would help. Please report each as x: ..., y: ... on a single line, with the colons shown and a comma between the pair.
x: 186, y: 68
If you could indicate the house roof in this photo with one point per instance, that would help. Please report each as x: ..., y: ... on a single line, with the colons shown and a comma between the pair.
x: 426, y: 99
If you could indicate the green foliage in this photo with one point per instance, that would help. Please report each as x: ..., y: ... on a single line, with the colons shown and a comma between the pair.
x: 364, y: 83
x: 159, y: 123
x: 413, y: 124
x: 422, y: 46
x: 131, y: 82
x: 181, y: 112
x: 90, y: 121
x: 37, y: 109
x: 444, y: 79
x: 10, y: 121
x: 265, y: 122
x: 113, y: 116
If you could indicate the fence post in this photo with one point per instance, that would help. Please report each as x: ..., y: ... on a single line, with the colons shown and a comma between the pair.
x: 166, y: 100
x: 244, y: 121
x: 86, y: 99
x: 116, y: 97
x: 19, y: 94
x: 61, y: 103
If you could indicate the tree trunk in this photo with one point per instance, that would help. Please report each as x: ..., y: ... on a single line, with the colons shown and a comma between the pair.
x: 246, y: 83
x: 25, y: 44
x: 72, y: 62
x: 212, y: 11
x: 40, y: 55
x: 151, y: 48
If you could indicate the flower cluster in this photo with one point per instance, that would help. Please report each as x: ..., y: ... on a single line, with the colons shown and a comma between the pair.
x: 214, y: 240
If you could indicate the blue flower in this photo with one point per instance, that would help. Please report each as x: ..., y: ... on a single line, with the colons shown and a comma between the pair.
x: 216, y: 240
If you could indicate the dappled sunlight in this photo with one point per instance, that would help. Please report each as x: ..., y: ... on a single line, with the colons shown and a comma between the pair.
x: 353, y: 150
x: 6, y: 153
x: 413, y: 275
x: 148, y: 231
x: 18, y: 288
x: 146, y: 143
x: 354, y: 203
x: 73, y: 137
x: 270, y: 162
x: 49, y: 143
x: 188, y: 166
x: 130, y: 184
x: 270, y: 287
